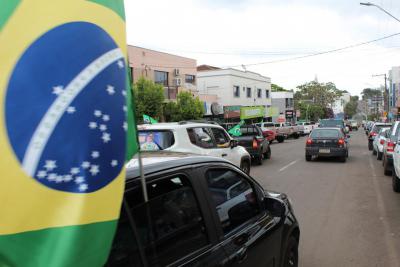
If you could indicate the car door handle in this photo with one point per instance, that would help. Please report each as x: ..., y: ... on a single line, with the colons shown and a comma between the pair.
x: 224, y: 155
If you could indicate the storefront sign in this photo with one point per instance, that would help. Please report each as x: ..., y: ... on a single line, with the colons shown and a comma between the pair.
x: 231, y: 112
x: 271, y: 112
x: 252, y: 112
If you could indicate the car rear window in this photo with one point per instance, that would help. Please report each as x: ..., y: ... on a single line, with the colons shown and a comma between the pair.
x: 332, y: 123
x: 328, y: 133
x: 377, y: 127
x: 248, y: 131
x: 153, y: 140
x: 268, y: 125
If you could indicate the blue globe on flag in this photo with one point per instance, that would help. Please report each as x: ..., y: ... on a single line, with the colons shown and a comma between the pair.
x: 65, y: 117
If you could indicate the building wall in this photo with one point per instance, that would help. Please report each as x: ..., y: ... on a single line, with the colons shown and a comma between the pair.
x: 283, y: 101
x: 143, y: 62
x: 221, y: 83
x: 394, y: 86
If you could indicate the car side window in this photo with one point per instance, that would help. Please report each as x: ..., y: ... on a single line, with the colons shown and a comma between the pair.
x: 233, y: 197
x: 169, y: 226
x: 220, y: 137
x: 201, y: 137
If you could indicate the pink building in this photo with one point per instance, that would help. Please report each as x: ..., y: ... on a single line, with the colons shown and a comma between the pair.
x: 175, y: 73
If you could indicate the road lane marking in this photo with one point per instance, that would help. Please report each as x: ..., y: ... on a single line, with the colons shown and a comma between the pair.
x: 383, y: 214
x: 287, y: 166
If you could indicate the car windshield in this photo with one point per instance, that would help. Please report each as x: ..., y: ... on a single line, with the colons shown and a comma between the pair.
x: 332, y: 123
x: 325, y: 133
x: 154, y: 140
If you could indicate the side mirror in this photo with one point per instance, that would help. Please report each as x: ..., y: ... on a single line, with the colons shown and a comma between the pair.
x: 234, y: 143
x: 275, y: 207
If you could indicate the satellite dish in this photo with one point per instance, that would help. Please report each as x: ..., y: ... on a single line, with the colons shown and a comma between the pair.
x: 216, y: 108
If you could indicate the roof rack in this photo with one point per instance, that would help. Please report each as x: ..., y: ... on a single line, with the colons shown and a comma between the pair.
x: 197, y: 121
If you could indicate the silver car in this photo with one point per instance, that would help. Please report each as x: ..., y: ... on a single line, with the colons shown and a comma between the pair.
x: 379, y: 142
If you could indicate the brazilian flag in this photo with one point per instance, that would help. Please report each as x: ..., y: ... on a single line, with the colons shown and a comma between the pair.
x: 64, y: 117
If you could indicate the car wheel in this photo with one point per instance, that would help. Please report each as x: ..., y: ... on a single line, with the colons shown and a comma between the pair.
x: 280, y: 139
x: 296, y: 136
x: 343, y: 159
x: 370, y: 145
x: 292, y: 253
x: 271, y: 141
x: 395, y: 182
x: 386, y: 169
x: 379, y: 156
x: 308, y: 157
x: 245, y: 166
x: 259, y: 159
x: 267, y: 154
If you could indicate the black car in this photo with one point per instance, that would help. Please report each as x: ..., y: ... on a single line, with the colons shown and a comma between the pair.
x: 327, y: 142
x: 201, y: 211
x: 254, y: 141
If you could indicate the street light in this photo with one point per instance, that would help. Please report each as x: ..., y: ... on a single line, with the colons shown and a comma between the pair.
x: 372, y: 4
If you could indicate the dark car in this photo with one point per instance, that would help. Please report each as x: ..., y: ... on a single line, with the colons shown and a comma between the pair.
x: 201, y: 211
x: 254, y: 141
x: 327, y: 142
x: 335, y: 123
x: 374, y: 131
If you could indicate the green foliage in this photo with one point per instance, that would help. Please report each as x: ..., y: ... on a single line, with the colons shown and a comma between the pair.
x: 369, y: 93
x: 322, y: 94
x: 277, y: 88
x: 149, y: 98
x: 350, y: 109
x: 311, y: 111
x: 186, y: 108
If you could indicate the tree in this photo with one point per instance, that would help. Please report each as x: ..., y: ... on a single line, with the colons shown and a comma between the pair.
x: 350, y: 109
x: 369, y: 93
x: 186, y: 108
x: 277, y: 88
x: 310, y: 111
x: 149, y: 98
x: 323, y: 94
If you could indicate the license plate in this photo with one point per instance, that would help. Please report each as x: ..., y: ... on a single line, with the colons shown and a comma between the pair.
x: 324, y: 150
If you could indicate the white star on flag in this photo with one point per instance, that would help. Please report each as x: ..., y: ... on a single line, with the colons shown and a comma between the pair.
x: 68, y: 178
x: 50, y: 165
x: 95, y: 154
x: 52, y: 177
x: 97, y: 113
x: 83, y: 187
x: 57, y: 90
x: 103, y: 127
x: 79, y: 180
x: 106, y: 137
x: 94, y: 170
x: 110, y: 90
x: 120, y: 64
x: 85, y: 164
x: 106, y: 117
x: 71, y: 110
x: 125, y: 126
x: 41, y: 174
x: 74, y: 170
x: 59, y: 179
x: 124, y: 108
x: 123, y: 92
x: 114, y: 162
x: 92, y: 125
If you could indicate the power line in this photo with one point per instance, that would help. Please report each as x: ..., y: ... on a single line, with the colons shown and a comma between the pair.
x: 320, y: 53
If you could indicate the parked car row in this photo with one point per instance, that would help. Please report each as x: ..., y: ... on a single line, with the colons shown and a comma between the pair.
x: 384, y: 141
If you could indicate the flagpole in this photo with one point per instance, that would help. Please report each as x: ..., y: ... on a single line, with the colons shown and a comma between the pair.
x: 142, y: 178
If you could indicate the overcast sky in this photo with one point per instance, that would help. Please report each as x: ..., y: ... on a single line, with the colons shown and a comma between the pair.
x: 228, y: 33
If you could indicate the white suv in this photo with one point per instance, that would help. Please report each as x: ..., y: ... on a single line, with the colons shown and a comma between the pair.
x: 197, y: 138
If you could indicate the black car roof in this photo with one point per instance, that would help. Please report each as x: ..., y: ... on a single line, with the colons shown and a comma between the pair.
x: 157, y: 161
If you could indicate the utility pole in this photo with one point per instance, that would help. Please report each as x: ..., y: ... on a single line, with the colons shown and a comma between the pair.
x: 386, y: 95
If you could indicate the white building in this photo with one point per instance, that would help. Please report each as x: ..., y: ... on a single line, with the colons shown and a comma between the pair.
x: 235, y: 87
x: 283, y: 105
x: 394, y: 87
x: 340, y: 103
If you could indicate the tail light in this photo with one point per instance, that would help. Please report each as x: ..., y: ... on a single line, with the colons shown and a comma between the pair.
x: 373, y: 134
x: 255, y: 144
x: 341, y: 142
x: 309, y: 141
x: 382, y: 142
x: 390, y: 147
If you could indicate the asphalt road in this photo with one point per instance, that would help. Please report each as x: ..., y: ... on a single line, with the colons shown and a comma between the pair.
x: 348, y: 213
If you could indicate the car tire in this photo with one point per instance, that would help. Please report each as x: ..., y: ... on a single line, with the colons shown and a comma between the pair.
x: 280, y: 139
x: 271, y: 141
x: 308, y: 157
x: 267, y: 154
x: 291, y: 258
x: 373, y: 152
x: 370, y: 145
x: 245, y: 166
x: 379, y: 155
x: 386, y: 169
x: 258, y: 159
x: 296, y: 136
x: 343, y: 159
x: 395, y: 182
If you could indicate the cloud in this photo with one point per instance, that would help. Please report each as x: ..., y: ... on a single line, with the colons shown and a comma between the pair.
x: 230, y: 33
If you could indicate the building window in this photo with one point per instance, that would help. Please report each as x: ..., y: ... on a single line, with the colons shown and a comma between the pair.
x: 190, y: 78
x: 288, y: 102
x: 266, y: 93
x: 236, y: 91
x: 161, y: 77
x: 248, y: 92
x: 259, y: 93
